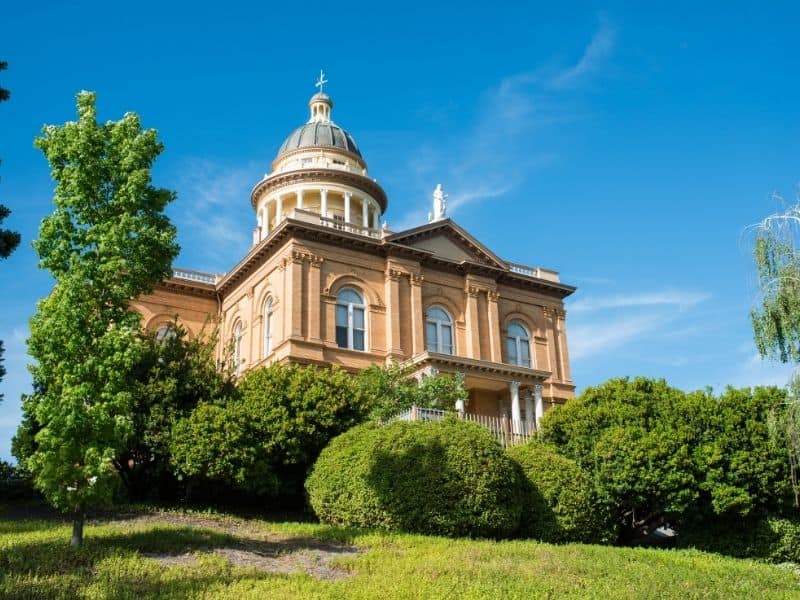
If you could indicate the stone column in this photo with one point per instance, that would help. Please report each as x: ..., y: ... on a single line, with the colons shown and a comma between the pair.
x: 279, y: 210
x: 539, y: 409
x: 323, y: 209
x: 364, y: 213
x: 347, y: 198
x: 299, y: 199
x: 516, y: 415
x: 393, y: 312
x: 529, y: 412
x: 418, y: 317
x: 293, y: 294
x: 265, y: 219
x: 495, y: 337
x: 314, y: 298
x: 375, y: 219
x: 473, y: 327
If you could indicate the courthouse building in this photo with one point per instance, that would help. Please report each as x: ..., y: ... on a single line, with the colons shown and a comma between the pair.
x: 325, y: 284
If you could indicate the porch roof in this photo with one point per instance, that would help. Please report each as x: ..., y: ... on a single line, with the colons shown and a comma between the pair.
x: 473, y: 367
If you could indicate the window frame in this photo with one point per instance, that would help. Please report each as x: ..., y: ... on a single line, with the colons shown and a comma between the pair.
x: 438, y: 324
x: 517, y: 341
x: 269, y: 306
x: 351, y: 307
x: 236, y: 336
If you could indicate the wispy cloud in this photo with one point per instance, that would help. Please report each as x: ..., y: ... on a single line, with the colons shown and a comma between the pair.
x: 214, y: 204
x: 681, y: 299
x: 590, y: 339
x: 594, y: 56
x: 495, y: 152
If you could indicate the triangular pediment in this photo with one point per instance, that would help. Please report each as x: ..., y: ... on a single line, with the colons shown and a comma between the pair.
x: 447, y: 240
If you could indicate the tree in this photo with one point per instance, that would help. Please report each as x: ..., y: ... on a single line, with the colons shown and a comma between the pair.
x: 175, y: 374
x: 106, y: 242
x: 658, y: 455
x: 390, y: 390
x: 264, y: 441
x: 9, y: 240
x: 776, y: 321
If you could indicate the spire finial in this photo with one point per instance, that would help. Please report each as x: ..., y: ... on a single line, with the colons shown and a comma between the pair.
x: 321, y: 81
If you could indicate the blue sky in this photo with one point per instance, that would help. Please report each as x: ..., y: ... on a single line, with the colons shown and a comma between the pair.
x: 626, y: 147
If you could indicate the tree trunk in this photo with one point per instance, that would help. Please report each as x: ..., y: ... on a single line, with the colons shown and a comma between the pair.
x: 78, y: 519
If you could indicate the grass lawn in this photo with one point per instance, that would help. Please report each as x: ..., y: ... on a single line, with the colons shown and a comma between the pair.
x: 179, y: 555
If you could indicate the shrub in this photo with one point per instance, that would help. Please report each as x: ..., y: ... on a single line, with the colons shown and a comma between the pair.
x: 656, y: 454
x: 265, y: 440
x: 447, y: 477
x: 772, y: 539
x: 15, y: 484
x: 559, y: 504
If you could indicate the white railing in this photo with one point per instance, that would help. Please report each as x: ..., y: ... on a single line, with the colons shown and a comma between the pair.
x: 194, y: 276
x: 317, y: 219
x: 508, y: 432
x: 537, y: 272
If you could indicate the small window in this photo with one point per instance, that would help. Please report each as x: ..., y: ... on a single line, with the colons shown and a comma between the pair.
x: 439, y: 330
x: 268, y: 327
x: 518, y: 345
x: 350, y: 320
x: 237, y: 346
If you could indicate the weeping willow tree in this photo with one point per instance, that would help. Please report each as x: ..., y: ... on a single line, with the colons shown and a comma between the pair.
x: 776, y: 318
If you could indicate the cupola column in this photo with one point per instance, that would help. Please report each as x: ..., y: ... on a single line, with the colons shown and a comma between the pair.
x: 347, y: 197
x: 375, y: 218
x: 300, y: 199
x: 265, y: 219
x: 323, y: 209
x: 364, y: 212
x: 279, y: 209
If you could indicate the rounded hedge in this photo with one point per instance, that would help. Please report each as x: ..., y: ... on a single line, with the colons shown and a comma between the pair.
x: 444, y: 478
x: 559, y: 504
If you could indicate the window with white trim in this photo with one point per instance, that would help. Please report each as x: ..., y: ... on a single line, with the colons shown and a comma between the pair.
x: 518, y: 345
x: 350, y: 320
x: 439, y: 330
x: 267, y: 327
x: 237, y: 346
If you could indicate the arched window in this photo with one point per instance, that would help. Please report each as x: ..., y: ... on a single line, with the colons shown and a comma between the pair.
x: 166, y: 332
x: 518, y: 345
x: 439, y: 330
x: 267, y: 327
x: 350, y: 320
x: 237, y: 346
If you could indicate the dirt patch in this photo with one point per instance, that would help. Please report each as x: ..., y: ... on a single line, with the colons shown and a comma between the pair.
x: 251, y: 546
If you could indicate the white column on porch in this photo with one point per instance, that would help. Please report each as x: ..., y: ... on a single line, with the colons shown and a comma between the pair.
x: 516, y: 415
x: 537, y: 395
x: 279, y: 210
x: 529, y: 412
x: 323, y: 208
x: 300, y: 199
x: 364, y: 212
x: 347, y: 197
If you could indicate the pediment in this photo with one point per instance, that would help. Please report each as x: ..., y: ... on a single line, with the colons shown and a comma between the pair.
x: 447, y: 240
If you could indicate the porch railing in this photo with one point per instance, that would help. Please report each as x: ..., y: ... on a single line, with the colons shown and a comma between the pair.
x: 508, y: 432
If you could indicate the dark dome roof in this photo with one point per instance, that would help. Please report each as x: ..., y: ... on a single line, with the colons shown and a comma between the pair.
x: 320, y: 134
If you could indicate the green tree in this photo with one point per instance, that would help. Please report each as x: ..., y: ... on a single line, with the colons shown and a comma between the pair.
x: 9, y: 240
x: 175, y: 373
x: 656, y: 454
x: 107, y: 242
x: 390, y: 390
x: 776, y: 319
x: 265, y: 441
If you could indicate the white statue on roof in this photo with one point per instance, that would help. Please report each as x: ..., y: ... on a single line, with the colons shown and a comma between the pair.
x: 439, y: 205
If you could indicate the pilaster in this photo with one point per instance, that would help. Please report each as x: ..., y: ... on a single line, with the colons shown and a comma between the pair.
x: 417, y: 316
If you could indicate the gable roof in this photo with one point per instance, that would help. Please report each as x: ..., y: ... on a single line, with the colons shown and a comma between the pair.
x: 449, y: 240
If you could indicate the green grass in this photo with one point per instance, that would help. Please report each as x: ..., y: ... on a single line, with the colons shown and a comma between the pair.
x: 37, y: 562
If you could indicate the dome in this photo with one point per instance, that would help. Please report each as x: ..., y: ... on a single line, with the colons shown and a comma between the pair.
x: 320, y: 134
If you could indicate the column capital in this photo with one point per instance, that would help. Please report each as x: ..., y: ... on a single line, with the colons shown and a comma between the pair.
x: 416, y: 278
x: 514, y: 386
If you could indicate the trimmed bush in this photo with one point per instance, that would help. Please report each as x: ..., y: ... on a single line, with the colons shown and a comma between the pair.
x: 772, y: 539
x: 445, y: 478
x: 559, y: 505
